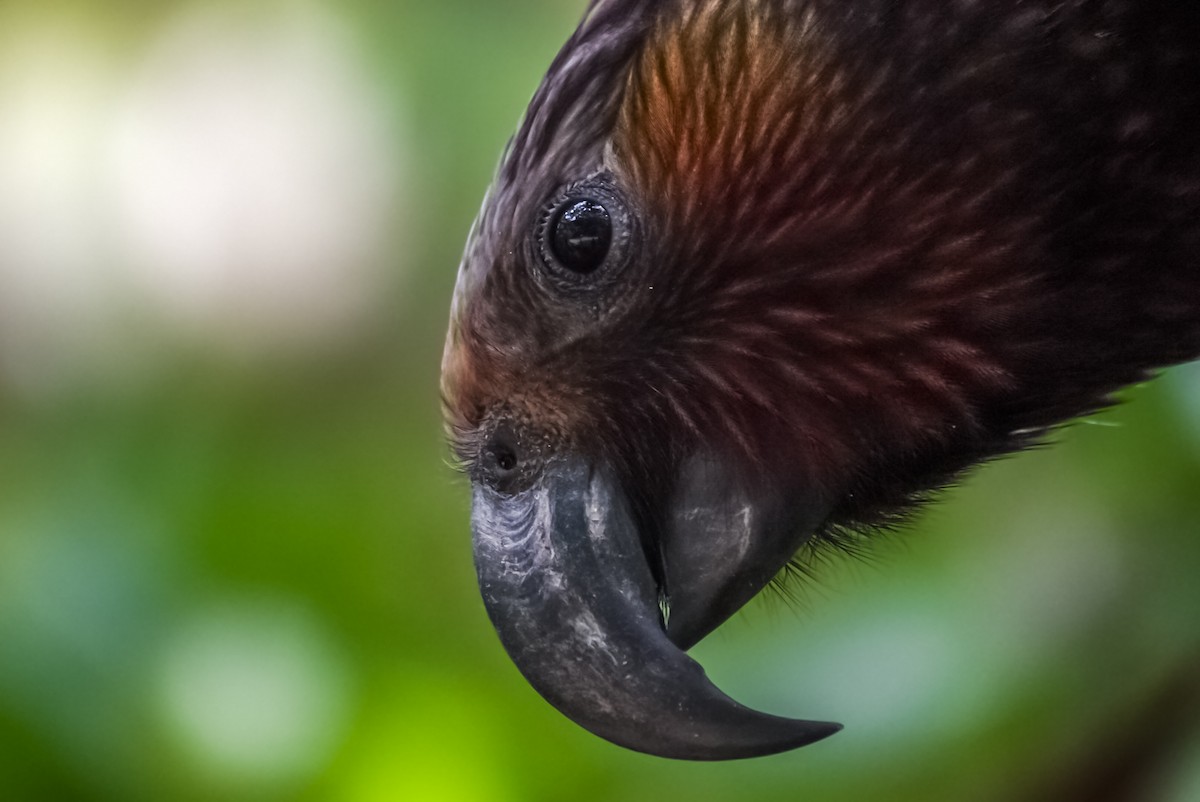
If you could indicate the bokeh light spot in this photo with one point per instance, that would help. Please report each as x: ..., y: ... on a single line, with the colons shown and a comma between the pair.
x: 255, y: 693
x: 255, y: 176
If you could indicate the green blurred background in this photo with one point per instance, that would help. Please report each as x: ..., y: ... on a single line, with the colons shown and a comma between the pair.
x: 235, y: 565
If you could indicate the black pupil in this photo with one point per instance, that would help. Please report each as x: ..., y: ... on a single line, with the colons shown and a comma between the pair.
x: 582, y: 234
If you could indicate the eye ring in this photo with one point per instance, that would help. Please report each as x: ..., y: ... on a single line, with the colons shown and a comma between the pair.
x: 583, y: 235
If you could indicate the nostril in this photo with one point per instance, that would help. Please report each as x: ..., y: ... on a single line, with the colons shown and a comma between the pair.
x: 509, y: 459
x: 503, y: 458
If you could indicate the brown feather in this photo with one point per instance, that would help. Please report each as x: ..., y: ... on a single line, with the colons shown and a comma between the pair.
x: 881, y: 241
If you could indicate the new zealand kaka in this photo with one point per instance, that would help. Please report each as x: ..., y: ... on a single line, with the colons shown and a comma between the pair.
x: 754, y: 274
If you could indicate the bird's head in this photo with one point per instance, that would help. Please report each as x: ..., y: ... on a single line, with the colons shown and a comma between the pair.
x: 730, y: 293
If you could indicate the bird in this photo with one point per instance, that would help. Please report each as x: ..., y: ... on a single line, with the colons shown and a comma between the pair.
x: 762, y: 275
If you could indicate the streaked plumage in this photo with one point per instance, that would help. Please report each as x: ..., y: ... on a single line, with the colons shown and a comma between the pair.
x: 867, y: 245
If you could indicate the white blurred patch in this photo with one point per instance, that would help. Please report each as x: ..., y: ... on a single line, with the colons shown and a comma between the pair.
x: 891, y: 670
x: 234, y: 185
x: 57, y: 295
x: 254, y: 176
x: 255, y: 694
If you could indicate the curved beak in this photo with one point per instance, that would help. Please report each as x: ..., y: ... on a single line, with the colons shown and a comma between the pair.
x: 566, y: 583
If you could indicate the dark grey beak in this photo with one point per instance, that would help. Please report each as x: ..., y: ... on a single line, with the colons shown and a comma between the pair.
x: 566, y: 583
x: 723, y: 539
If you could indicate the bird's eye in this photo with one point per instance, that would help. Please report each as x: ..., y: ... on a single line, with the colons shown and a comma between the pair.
x: 580, y: 235
x: 584, y: 235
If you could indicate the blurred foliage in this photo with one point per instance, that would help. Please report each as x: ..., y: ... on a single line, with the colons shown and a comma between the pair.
x: 244, y: 573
